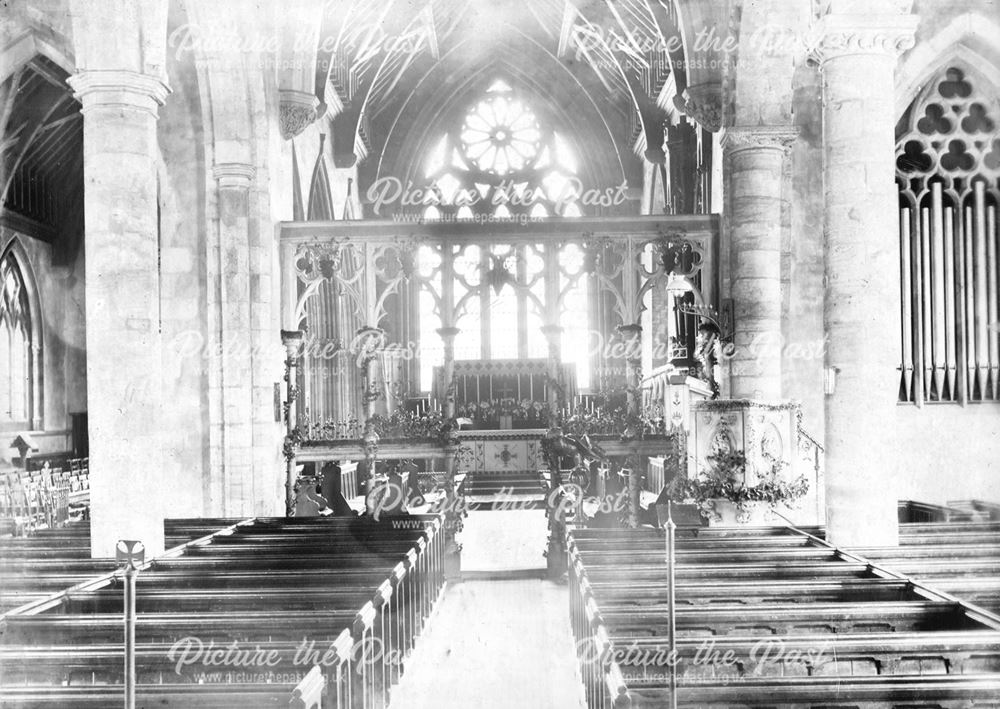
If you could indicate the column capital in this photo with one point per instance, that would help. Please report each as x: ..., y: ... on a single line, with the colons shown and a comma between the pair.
x: 703, y: 103
x: 841, y: 35
x: 296, y: 110
x: 118, y: 88
x: 739, y: 138
x: 292, y: 339
x: 236, y: 175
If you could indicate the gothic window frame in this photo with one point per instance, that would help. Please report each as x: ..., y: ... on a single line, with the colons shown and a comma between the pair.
x: 25, y: 313
x: 465, y: 181
x: 483, y: 274
x: 948, y: 175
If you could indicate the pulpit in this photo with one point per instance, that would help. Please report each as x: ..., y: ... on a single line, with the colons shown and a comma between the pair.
x: 766, y: 433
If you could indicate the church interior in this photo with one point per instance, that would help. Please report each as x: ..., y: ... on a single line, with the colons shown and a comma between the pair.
x: 570, y: 354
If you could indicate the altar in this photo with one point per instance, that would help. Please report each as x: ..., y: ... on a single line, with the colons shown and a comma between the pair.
x: 491, y: 453
x: 504, y: 394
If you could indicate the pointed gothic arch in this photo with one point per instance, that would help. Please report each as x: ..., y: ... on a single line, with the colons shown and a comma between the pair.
x: 21, y: 342
x: 948, y: 173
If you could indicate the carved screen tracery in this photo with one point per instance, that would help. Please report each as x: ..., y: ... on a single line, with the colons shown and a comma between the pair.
x: 948, y: 172
x: 416, y: 288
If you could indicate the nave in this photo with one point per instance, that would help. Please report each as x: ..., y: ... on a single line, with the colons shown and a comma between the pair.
x: 764, y: 617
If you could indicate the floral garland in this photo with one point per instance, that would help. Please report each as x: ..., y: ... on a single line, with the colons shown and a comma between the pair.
x: 614, y: 422
x: 522, y: 411
x: 726, y: 479
x: 407, y: 424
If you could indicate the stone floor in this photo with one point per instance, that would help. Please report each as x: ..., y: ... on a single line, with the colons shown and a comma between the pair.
x: 495, y: 644
x: 511, y: 540
x: 499, y: 639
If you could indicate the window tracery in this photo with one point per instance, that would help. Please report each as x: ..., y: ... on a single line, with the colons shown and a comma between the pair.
x: 948, y: 172
x: 15, y: 344
x: 501, y: 162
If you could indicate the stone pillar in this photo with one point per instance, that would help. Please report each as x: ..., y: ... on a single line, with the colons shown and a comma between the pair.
x: 236, y: 480
x: 857, y: 54
x: 755, y: 156
x: 129, y: 494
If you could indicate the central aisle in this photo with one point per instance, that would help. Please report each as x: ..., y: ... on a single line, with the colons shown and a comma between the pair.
x: 507, y: 541
x: 501, y: 638
x: 495, y: 644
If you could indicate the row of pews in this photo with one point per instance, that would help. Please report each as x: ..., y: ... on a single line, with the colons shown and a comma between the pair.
x: 777, y: 618
x: 49, y: 560
x: 44, y: 497
x: 914, y: 511
x: 253, y: 613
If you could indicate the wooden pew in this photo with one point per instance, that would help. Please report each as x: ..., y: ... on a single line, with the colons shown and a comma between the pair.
x: 45, y: 561
x: 241, y: 694
x: 870, y: 622
x: 889, y: 692
x: 394, y: 579
x: 789, y: 619
x: 846, y: 655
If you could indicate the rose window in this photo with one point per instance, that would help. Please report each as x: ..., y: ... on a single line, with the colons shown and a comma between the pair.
x: 500, y: 135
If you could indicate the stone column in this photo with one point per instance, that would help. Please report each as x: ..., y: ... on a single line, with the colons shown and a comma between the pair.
x: 237, y: 493
x: 857, y: 54
x: 755, y: 155
x: 129, y: 494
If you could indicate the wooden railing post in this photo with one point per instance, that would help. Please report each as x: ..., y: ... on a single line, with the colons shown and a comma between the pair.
x: 671, y: 603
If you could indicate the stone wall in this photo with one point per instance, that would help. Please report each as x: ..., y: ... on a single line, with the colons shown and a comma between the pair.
x: 64, y: 356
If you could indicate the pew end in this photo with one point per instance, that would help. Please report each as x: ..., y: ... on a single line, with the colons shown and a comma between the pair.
x: 308, y: 694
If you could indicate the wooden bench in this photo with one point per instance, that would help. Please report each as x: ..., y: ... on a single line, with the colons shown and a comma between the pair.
x: 211, y: 589
x: 788, y: 619
x: 245, y: 695
x: 45, y: 561
x: 847, y: 655
x: 883, y: 692
x: 736, y: 594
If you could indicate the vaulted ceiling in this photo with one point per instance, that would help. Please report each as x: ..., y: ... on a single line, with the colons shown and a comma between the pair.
x: 41, y: 156
x: 393, y: 72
